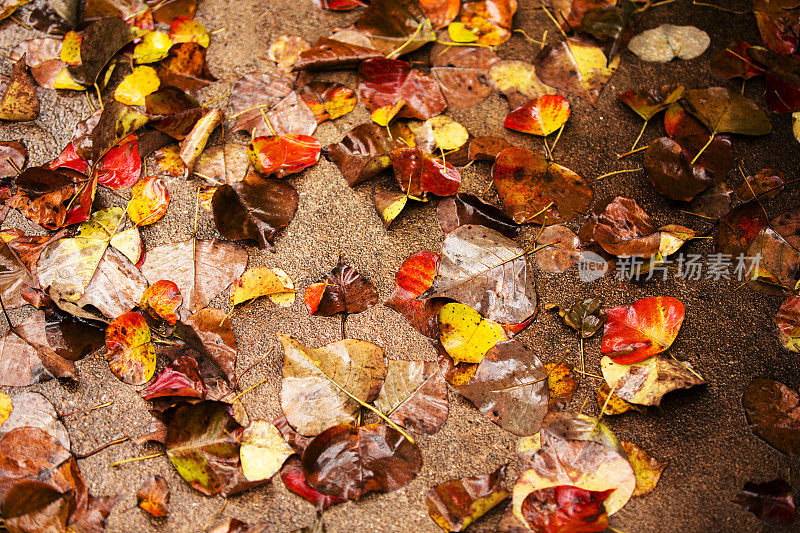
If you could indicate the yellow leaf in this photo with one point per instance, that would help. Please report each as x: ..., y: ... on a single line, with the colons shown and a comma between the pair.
x: 263, y: 451
x: 5, y: 408
x: 460, y: 33
x: 646, y: 468
x: 465, y: 335
x: 384, y: 115
x: 71, y: 48
x: 64, y: 80
x: 137, y: 85
x: 448, y: 134
x: 186, y: 30
x: 263, y: 281
x: 154, y: 47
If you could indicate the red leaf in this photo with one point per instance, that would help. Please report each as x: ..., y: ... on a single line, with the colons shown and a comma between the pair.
x: 341, y: 5
x: 542, y: 116
x: 418, y: 173
x: 121, y: 167
x: 294, y: 479
x: 283, y: 154
x: 180, y: 378
x: 643, y: 329
x: 386, y: 81
x: 69, y: 158
x: 566, y: 509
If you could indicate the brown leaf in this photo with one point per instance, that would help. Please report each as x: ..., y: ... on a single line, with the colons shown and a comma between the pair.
x: 647, y: 468
x: 364, y: 152
x: 349, y: 462
x: 343, y: 290
x: 672, y: 173
x: 99, y: 43
x: 414, y: 395
x: 510, y: 388
x: 255, y: 208
x: 576, y: 67
x: 528, y: 184
x: 331, y: 54
x: 12, y: 152
x: 153, y: 496
x: 19, y: 102
x: 200, y: 269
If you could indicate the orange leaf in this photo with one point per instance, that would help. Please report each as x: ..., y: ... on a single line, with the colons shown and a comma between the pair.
x: 643, y: 329
x: 542, y: 116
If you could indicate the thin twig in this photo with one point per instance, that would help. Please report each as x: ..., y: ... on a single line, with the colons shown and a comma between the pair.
x: 135, y: 459
x: 101, y: 448
x: 528, y: 37
x: 14, y: 165
x: 86, y: 410
x: 631, y: 152
x: 248, y: 389
x: 560, y: 131
x: 726, y: 9
x: 697, y: 214
x: 641, y: 132
x: 246, y: 370
x: 624, y: 171
x: 214, y: 517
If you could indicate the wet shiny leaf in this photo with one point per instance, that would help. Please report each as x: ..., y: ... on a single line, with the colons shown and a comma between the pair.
x: 576, y: 67
x: 149, y: 201
x: 414, y: 396
x: 284, y: 154
x: 418, y: 173
x: 640, y: 330
x: 386, y: 81
x: 412, y: 279
x: 263, y: 451
x: 771, y: 502
x: 724, y: 111
x: 457, y: 503
x: 131, y: 355
x: 670, y: 170
x: 343, y: 290
x: 566, y: 508
x: 542, y: 116
x: 364, y: 152
x: 466, y: 335
x: 772, y: 413
x: 180, y: 378
x: 19, y: 101
x: 294, y: 479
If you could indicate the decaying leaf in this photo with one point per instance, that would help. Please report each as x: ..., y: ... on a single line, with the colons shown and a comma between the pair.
x: 576, y: 67
x: 319, y: 384
x: 19, y: 101
x: 200, y: 269
x: 584, y: 315
x: 788, y: 322
x: 534, y: 189
x: 386, y: 81
x: 465, y: 335
x: 670, y: 170
x: 559, y: 249
x: 611, y: 404
x: 131, y: 355
x: 414, y: 395
x: 390, y: 24
x: 364, y: 152
x: 566, y: 508
x: 457, y: 503
x: 724, y: 111
x: 668, y: 41
x: 294, y: 479
x: 773, y: 415
x: 482, y: 268
x: 517, y: 80
x: 153, y: 496
x: 562, y: 382
x: 491, y: 20
x: 343, y: 290
x: 466, y: 209
x: 348, y: 462
x: 31, y: 409
x: 771, y: 502
x: 647, y: 381
x: 510, y: 388
x: 648, y: 469
x: 263, y: 451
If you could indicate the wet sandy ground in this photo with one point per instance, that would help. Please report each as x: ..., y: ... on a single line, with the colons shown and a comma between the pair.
x: 728, y: 335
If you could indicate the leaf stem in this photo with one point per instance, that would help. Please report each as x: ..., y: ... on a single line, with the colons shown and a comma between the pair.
x: 560, y: 130
x: 623, y: 171
x: 101, y: 448
x: 529, y: 38
x: 86, y: 410
x: 135, y: 459
x: 631, y: 152
x: 641, y: 132
x: 14, y: 165
x: 408, y: 42
x: 248, y: 389
x: 246, y: 370
x: 726, y: 9
x: 703, y: 149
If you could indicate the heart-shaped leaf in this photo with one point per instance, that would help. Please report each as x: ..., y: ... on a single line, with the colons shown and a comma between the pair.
x: 542, y: 116
x: 510, y: 388
x: 294, y: 479
x: 672, y: 172
x: 343, y: 290
x: 414, y: 395
x: 320, y: 385
x: 131, y: 355
x: 483, y: 269
x: 642, y: 329
x: 773, y: 415
x: 666, y: 42
x: 647, y: 103
x: 418, y: 173
x: 180, y: 378
x: 724, y: 111
x: 263, y: 451
x: 348, y: 462
x: 262, y: 281
x: 466, y: 335
x: 534, y: 189
x: 576, y: 67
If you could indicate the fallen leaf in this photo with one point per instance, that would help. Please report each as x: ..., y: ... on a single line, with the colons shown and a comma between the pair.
x: 137, y: 85
x: 263, y: 451
x: 466, y: 209
x: 767, y: 183
x: 185, y: 67
x: 154, y: 47
x: 724, y: 111
x: 739, y: 227
x: 203, y: 447
x: 161, y: 301
x: 331, y: 54
x: 31, y: 409
x: 648, y: 102
x: 672, y: 173
x: 121, y: 166
x: 584, y: 315
x: 131, y: 355
x: 648, y: 469
x: 465, y: 335
x: 534, y: 189
x: 174, y: 112
x: 149, y: 201
x: 200, y: 269
x: 562, y: 382
x: 99, y: 43
x: 611, y: 404
x: 772, y: 414
x: 348, y: 462
x: 566, y: 508
x: 187, y: 30
x: 778, y: 24
x: 389, y: 205
x: 364, y: 152
x: 541, y: 116
x: 640, y: 330
x: 666, y: 42
x: 647, y: 381
x: 211, y: 334
x: 734, y: 62
x: 412, y: 279
x: 328, y: 100
x: 414, y: 396
x: 286, y: 49
x: 447, y: 133
x: 771, y: 502
x: 576, y: 450
x: 34, y: 505
x: 294, y: 479
x: 386, y: 81
x: 457, y: 503
x: 19, y: 101
x: 12, y: 152
x: 319, y: 384
x: 262, y: 281
x: 563, y: 250
x: 153, y: 496
x: 517, y: 81
x: 491, y: 20
x: 282, y: 155
x: 576, y: 67
x: 343, y: 290
x: 461, y: 73
x: 788, y: 322
x: 510, y: 388
x: 195, y: 142
x: 392, y: 24
x: 486, y: 148
x: 621, y: 228
x: 418, y: 173
x: 179, y: 378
